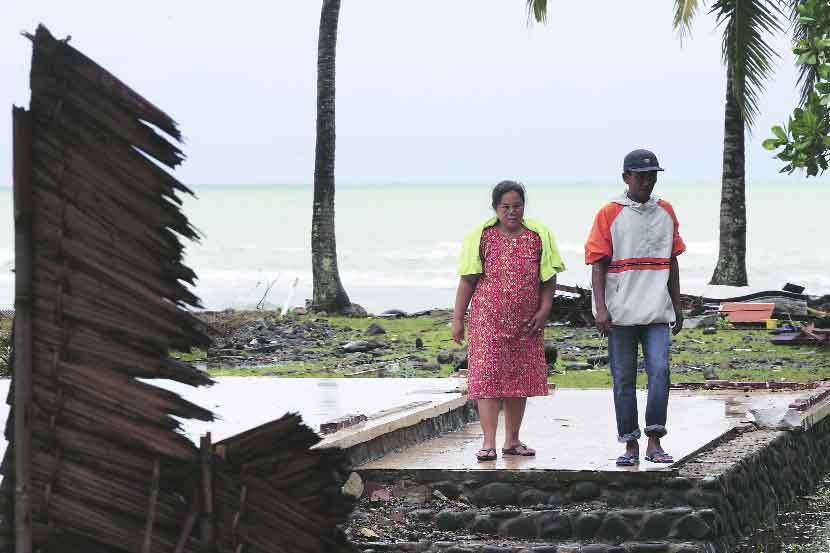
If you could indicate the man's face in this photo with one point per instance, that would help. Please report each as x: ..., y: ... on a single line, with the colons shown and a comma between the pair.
x: 640, y: 184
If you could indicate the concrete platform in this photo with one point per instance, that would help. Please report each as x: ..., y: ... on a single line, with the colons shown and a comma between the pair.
x: 575, y: 430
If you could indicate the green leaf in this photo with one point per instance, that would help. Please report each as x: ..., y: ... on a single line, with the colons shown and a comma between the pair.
x: 779, y: 132
x: 771, y: 144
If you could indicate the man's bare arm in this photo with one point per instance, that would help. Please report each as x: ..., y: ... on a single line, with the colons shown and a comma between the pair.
x: 674, y: 293
x: 599, y: 270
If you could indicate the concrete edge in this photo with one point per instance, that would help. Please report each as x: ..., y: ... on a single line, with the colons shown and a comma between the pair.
x: 374, y: 428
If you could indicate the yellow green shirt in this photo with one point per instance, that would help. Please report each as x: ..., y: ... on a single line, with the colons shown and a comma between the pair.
x: 470, y: 262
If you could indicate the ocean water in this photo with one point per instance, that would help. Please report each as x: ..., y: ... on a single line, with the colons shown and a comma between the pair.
x: 398, y: 243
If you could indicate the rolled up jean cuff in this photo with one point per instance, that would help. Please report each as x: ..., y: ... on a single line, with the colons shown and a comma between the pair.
x: 656, y: 430
x: 629, y: 437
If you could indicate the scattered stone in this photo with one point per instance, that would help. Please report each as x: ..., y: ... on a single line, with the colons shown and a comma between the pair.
x: 381, y: 495
x: 423, y: 514
x: 363, y: 346
x: 431, y: 367
x: 710, y: 330
x: 353, y: 486
x: 356, y: 311
x: 299, y: 311
x: 368, y: 533
x: 709, y: 373
x: 595, y: 360
x: 375, y: 330
x: 393, y: 314
x: 701, y: 321
x: 419, y: 344
x: 551, y: 352
x: 577, y: 366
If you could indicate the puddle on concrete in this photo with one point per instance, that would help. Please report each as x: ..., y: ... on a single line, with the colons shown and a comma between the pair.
x: 242, y: 403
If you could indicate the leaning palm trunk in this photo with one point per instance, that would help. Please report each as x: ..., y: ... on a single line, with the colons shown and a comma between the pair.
x: 329, y: 294
x: 731, y: 267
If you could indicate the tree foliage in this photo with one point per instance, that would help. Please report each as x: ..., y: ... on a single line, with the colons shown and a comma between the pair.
x: 804, y: 141
x: 748, y: 26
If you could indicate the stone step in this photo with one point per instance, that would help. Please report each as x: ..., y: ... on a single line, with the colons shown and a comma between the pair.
x: 508, y: 546
x: 550, y: 490
x: 600, y: 525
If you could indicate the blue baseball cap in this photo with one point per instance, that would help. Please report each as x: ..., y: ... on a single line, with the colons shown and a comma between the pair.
x: 640, y: 161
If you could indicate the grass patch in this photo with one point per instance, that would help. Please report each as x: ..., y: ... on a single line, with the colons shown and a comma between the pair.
x: 739, y: 355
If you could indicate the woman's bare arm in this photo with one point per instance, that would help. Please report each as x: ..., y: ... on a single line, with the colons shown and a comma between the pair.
x: 466, y: 287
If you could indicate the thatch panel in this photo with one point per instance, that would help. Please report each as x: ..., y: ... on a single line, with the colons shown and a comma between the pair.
x: 105, y: 117
x: 118, y: 388
x: 124, y: 161
x: 132, y: 232
x: 98, y: 193
x: 122, y: 496
x: 81, y: 160
x: 120, y: 533
x: 106, y: 319
x: 103, y: 289
x: 114, y: 425
x: 98, y: 453
x: 90, y: 347
x: 49, y: 51
x: 120, y: 256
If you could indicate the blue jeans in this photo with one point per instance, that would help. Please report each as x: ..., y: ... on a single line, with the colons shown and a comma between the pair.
x: 622, y: 357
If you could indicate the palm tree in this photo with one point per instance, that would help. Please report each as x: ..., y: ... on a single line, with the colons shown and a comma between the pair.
x: 329, y: 294
x: 747, y: 27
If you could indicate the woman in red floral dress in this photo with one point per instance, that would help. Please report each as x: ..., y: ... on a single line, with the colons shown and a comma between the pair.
x: 508, y: 269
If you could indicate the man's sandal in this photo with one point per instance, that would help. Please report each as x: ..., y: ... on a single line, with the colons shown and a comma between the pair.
x: 486, y: 454
x: 659, y: 457
x: 628, y: 460
x: 519, y: 449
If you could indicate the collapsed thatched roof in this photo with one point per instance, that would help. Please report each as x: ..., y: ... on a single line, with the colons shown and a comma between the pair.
x: 108, y: 302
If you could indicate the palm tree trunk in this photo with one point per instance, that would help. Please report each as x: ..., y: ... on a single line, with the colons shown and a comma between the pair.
x: 329, y: 294
x: 731, y: 267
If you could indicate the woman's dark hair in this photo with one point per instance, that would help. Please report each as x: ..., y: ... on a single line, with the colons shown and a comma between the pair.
x: 504, y: 187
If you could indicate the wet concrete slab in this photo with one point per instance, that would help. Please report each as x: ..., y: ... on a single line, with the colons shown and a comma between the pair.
x: 575, y: 430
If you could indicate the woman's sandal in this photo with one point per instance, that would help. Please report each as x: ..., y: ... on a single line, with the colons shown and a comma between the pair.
x: 659, y: 457
x: 489, y: 454
x: 515, y: 450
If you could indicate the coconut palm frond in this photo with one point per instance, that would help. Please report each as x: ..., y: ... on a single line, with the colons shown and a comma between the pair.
x: 808, y: 74
x: 684, y: 13
x: 537, y: 10
x: 747, y: 53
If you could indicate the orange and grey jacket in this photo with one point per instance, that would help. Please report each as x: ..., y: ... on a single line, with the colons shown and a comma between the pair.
x: 639, y: 240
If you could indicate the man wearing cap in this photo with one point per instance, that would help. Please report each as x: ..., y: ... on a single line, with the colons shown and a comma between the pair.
x: 633, y: 248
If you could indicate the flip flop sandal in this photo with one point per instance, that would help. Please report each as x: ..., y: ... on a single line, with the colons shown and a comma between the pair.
x: 515, y: 451
x: 659, y: 457
x: 488, y: 456
x: 628, y: 460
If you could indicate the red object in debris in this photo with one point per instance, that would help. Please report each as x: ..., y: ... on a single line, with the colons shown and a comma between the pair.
x: 748, y: 312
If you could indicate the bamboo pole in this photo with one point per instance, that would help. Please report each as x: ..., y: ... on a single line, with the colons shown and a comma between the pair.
x: 22, y: 330
x: 151, y: 509
x: 207, y: 530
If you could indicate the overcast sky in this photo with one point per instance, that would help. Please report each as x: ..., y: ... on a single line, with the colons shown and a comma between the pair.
x: 427, y: 91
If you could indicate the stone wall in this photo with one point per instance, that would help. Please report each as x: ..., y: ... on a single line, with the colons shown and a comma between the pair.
x: 408, y: 436
x: 704, y: 505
